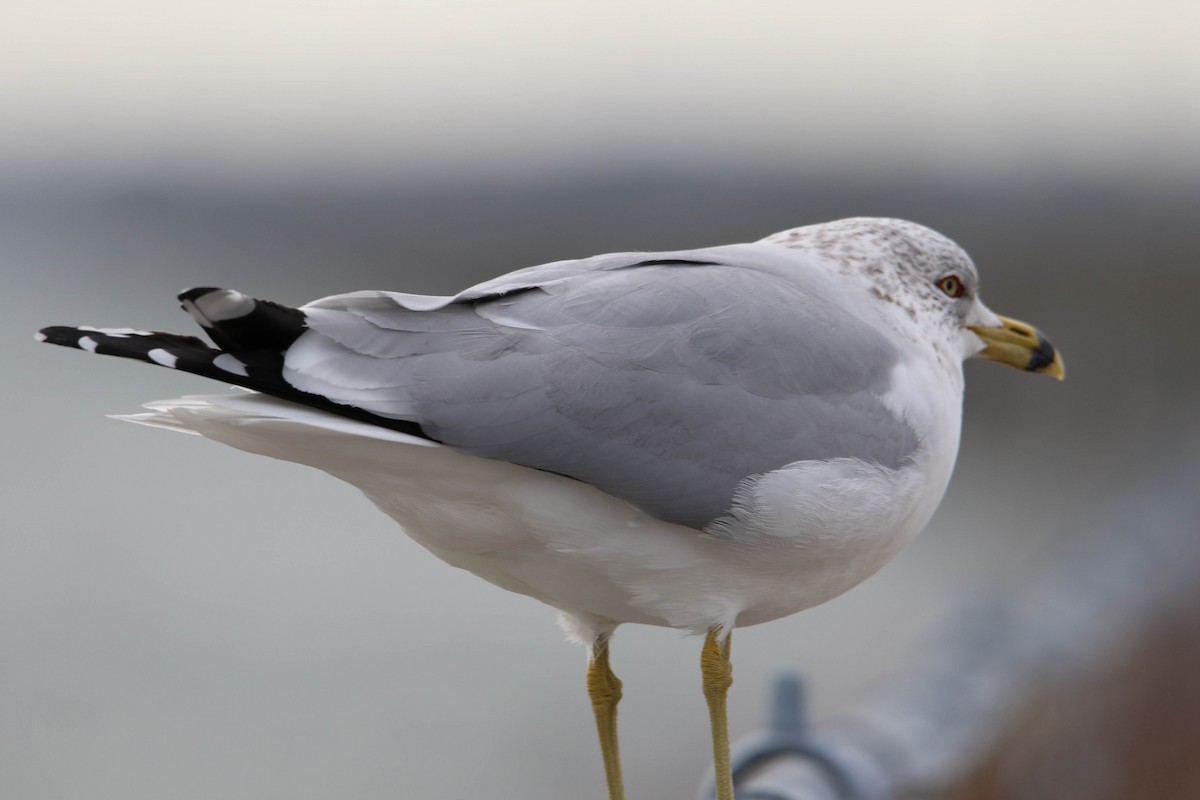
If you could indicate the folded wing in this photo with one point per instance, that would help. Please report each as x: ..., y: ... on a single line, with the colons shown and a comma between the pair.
x: 662, y: 379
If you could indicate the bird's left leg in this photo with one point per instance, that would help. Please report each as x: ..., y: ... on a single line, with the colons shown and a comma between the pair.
x: 716, y: 670
x: 604, y: 688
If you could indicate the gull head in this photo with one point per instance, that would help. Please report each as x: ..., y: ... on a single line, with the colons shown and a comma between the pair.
x: 927, y: 285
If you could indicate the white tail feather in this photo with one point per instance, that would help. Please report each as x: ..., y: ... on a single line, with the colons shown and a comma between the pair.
x: 194, y: 413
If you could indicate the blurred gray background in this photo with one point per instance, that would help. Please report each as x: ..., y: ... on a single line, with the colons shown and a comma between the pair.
x: 183, y: 620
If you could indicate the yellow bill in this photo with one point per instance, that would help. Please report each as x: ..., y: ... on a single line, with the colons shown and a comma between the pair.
x: 1019, y: 345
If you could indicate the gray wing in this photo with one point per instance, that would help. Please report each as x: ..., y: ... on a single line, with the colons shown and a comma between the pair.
x: 662, y: 379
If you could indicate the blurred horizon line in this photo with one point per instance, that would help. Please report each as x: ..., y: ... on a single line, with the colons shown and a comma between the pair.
x: 887, y: 175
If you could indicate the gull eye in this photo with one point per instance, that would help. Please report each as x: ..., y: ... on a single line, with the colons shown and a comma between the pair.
x: 952, y: 286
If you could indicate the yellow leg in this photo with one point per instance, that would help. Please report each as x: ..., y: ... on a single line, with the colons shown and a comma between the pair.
x: 604, y: 688
x: 717, y: 672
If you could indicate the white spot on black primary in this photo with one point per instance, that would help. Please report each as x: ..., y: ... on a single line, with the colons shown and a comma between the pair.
x: 39, y: 337
x: 241, y: 324
x: 120, y: 333
x: 88, y: 343
x: 230, y: 364
x: 160, y: 356
x: 210, y: 306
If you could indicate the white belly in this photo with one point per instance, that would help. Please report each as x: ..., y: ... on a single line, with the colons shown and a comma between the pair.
x: 800, y: 536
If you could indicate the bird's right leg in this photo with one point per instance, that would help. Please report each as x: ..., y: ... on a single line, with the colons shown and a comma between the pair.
x: 717, y: 670
x: 604, y: 688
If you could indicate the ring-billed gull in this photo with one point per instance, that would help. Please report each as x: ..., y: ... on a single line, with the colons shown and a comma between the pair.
x: 697, y: 439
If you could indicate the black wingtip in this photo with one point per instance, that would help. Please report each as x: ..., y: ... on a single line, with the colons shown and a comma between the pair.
x: 258, y: 370
x: 213, y: 307
x: 86, y: 337
x: 127, y: 342
x: 196, y: 292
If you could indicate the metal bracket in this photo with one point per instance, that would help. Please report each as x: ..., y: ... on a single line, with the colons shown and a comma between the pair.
x: 788, y: 734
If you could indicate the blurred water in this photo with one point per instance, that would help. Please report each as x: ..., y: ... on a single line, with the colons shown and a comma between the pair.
x: 182, y: 619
